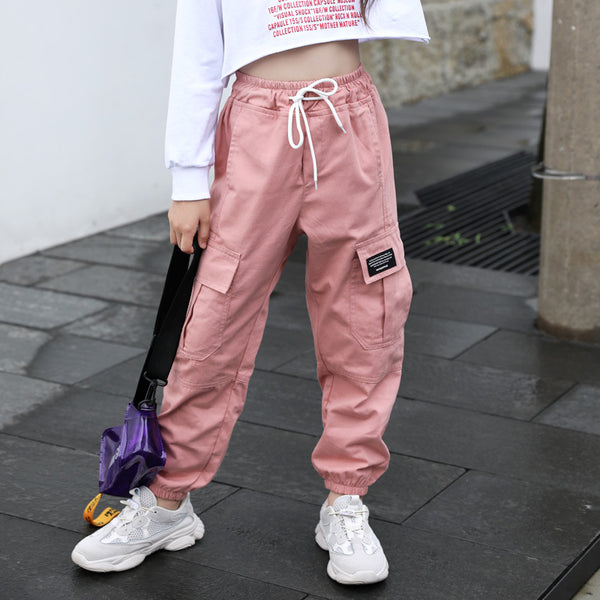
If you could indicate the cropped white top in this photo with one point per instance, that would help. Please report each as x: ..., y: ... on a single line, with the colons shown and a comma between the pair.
x: 214, y: 38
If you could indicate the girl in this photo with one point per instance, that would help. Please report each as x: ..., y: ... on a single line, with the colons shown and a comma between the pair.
x: 301, y: 146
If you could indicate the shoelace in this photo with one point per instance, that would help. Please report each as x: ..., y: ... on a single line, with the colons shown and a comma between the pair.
x: 297, y: 109
x: 130, y: 512
x: 351, y: 523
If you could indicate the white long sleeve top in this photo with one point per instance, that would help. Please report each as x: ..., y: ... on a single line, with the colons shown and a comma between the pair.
x: 214, y: 38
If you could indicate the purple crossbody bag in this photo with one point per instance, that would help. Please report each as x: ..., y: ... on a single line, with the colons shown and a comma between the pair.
x: 131, y: 454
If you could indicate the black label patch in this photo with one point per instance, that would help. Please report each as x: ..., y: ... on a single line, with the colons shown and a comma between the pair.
x: 381, y: 262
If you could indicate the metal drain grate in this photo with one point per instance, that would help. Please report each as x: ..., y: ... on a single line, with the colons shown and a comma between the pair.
x: 466, y: 219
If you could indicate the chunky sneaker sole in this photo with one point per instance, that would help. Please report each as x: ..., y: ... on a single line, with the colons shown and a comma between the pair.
x: 357, y: 578
x: 177, y: 540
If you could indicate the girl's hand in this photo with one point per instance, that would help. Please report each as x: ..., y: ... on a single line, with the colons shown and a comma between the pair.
x: 185, y: 218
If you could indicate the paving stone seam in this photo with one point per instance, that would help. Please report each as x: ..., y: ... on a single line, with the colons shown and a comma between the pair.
x: 277, y: 370
x: 100, y: 235
x: 532, y: 333
x: 431, y: 498
x: 34, y: 378
x: 258, y: 490
x: 480, y: 341
x: 96, y: 339
x: 480, y: 412
x: 279, y: 428
x: 503, y: 417
x: 484, y: 471
x: 35, y: 284
x: 280, y: 366
x: 235, y: 490
x: 549, y: 406
x: 42, y: 278
x: 124, y: 236
x: 51, y: 444
x: 104, y: 299
x: 108, y: 342
x: 182, y: 558
x: 43, y: 523
x: 562, y: 428
x: 290, y: 375
x: 489, y: 546
x: 55, y: 331
x: 172, y: 555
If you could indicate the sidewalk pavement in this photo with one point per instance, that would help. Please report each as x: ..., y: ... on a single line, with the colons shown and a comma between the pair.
x: 494, y: 482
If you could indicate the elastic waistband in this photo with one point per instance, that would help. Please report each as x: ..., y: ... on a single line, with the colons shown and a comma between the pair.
x: 342, y: 80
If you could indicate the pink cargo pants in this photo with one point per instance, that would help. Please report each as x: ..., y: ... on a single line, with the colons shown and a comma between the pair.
x: 358, y: 288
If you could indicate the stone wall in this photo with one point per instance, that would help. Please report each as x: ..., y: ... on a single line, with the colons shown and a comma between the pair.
x: 472, y: 41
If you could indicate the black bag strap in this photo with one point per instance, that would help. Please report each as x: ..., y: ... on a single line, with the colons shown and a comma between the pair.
x: 170, y: 318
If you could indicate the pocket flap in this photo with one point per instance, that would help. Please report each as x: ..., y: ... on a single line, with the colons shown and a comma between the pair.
x: 217, y: 268
x: 381, y: 256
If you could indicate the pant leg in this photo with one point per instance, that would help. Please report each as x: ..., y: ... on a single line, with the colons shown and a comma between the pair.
x: 358, y: 291
x: 254, y: 212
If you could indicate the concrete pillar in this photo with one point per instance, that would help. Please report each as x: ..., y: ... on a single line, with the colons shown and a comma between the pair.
x: 569, y: 289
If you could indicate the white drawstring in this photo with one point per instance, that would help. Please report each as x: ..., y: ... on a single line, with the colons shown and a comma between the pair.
x: 298, y: 107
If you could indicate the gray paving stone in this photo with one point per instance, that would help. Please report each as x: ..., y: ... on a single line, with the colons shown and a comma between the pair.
x: 132, y: 325
x: 74, y: 418
x: 152, y: 229
x: 35, y: 268
x: 442, y: 337
x: 50, y: 574
x: 120, y: 380
x: 46, y: 483
x: 579, y: 410
x: 21, y: 395
x: 422, y: 565
x: 545, y: 522
x: 292, y: 278
x: 288, y: 311
x: 538, y: 355
x: 69, y: 358
x: 517, y: 449
x: 472, y: 306
x: 118, y: 251
x: 280, y: 345
x: 263, y: 458
x: 284, y: 402
x: 274, y: 461
x: 478, y: 388
x: 298, y: 254
x: 42, y: 309
x: 111, y: 283
x: 18, y: 347
x: 52, y: 484
x: 304, y: 366
x: 485, y: 280
x: 407, y: 485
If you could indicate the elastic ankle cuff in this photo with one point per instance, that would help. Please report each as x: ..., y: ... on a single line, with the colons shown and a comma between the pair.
x: 165, y: 493
x: 340, y: 488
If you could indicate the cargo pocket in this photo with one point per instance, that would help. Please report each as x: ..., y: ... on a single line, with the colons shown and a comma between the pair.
x: 203, y: 330
x: 380, y: 291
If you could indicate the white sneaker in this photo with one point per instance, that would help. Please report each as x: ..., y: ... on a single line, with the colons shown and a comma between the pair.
x: 355, y: 553
x: 139, y: 529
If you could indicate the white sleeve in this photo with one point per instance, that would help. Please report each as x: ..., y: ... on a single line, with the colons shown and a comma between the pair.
x: 195, y: 96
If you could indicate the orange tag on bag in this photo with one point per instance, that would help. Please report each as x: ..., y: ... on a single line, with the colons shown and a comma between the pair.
x: 106, y: 516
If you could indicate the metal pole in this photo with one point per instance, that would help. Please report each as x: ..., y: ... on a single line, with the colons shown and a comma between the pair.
x: 569, y: 287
